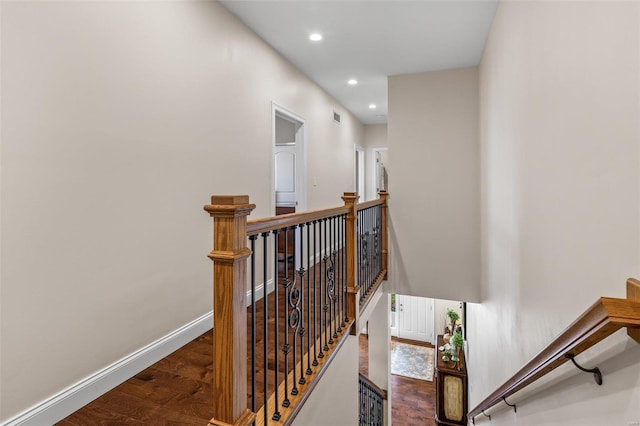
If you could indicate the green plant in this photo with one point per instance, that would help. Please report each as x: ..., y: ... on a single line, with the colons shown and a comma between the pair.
x: 457, y: 340
x: 453, y: 315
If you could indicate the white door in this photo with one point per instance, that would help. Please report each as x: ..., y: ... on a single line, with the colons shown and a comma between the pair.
x: 415, y: 318
x: 285, y: 156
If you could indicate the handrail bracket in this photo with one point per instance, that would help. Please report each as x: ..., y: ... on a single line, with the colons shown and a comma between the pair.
x: 597, y: 375
x: 515, y: 409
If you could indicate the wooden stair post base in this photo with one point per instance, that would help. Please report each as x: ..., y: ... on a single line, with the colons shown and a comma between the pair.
x: 633, y: 293
x: 229, y: 256
x: 353, y: 303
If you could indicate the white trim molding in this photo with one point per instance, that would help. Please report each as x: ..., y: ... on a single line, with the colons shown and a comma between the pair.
x: 260, y: 291
x: 59, y: 406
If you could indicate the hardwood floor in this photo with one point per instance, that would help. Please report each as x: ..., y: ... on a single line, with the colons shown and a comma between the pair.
x: 177, y: 390
x: 413, y: 400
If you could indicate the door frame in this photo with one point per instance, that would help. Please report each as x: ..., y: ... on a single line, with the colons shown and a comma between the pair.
x: 374, y: 170
x: 359, y: 154
x: 278, y: 110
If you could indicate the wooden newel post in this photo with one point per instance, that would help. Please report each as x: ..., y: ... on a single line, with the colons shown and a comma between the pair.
x: 353, y: 303
x: 385, y: 242
x: 229, y: 257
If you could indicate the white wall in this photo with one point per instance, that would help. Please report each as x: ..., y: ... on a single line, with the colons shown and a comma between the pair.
x: 335, y: 399
x: 119, y: 120
x: 559, y: 90
x: 434, y: 184
x: 375, y: 136
x: 379, y: 341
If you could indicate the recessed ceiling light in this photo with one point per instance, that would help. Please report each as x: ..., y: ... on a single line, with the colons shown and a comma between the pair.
x: 315, y: 37
x: 372, y: 106
x: 353, y: 82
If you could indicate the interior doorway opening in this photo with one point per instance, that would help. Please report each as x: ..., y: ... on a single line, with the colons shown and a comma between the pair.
x: 289, y: 173
x: 359, y: 179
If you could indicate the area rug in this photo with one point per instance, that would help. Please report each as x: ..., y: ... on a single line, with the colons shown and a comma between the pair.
x: 412, y: 361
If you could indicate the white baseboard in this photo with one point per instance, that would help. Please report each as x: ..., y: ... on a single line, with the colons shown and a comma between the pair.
x: 260, y: 291
x: 80, y: 394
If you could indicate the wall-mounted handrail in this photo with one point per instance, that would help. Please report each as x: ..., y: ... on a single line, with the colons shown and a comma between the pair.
x: 604, y: 317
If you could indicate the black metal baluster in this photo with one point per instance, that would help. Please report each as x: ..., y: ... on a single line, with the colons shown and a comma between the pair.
x: 368, y: 406
x: 370, y: 251
x: 325, y: 306
x: 252, y: 239
x: 329, y: 271
x: 309, y: 254
x: 369, y: 248
x: 265, y: 327
x: 379, y: 238
x: 339, y: 273
x: 276, y: 415
x: 361, y: 254
x: 315, y: 296
x: 334, y: 253
x: 294, y: 317
x: 361, y: 399
x: 322, y: 319
x: 344, y: 271
x: 301, y: 329
x: 371, y: 276
x: 286, y: 285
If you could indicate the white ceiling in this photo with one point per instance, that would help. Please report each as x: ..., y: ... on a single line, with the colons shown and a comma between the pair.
x: 370, y: 40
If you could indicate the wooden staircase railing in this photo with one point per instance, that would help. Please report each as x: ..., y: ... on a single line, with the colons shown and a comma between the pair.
x: 274, y: 313
x: 372, y: 400
x: 603, y: 318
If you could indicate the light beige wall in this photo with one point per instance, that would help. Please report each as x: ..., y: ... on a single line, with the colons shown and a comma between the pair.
x: 434, y: 184
x: 119, y: 120
x: 440, y: 318
x: 559, y: 90
x: 335, y: 399
x: 375, y: 136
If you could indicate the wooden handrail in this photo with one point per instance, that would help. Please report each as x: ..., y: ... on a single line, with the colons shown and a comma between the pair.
x: 367, y: 204
x: 229, y: 255
x: 267, y: 224
x: 603, y: 318
x: 378, y: 389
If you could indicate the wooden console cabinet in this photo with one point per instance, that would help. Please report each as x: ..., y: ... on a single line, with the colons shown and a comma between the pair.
x: 451, y: 389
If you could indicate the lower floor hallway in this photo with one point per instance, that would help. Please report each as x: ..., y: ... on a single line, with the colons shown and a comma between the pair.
x: 413, y: 400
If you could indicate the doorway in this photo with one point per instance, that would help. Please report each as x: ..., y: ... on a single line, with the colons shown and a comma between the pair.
x: 289, y: 173
x: 359, y: 173
x: 415, y: 319
x: 378, y: 178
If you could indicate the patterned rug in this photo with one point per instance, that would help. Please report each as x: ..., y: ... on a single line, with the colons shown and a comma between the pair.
x: 412, y: 361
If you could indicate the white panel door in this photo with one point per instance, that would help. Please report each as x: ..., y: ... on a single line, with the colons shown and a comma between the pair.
x: 285, y: 157
x: 415, y: 318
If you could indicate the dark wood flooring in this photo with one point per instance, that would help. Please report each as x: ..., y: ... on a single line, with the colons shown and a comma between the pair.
x: 413, y: 400
x: 177, y: 390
